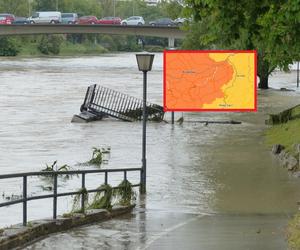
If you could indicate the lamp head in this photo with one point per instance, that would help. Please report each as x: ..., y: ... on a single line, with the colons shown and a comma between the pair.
x: 144, y: 61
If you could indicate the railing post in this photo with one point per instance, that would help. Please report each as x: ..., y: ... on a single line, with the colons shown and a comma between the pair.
x: 125, y: 175
x: 24, y: 201
x: 106, y: 178
x: 172, y: 117
x: 83, y: 192
x: 55, y: 196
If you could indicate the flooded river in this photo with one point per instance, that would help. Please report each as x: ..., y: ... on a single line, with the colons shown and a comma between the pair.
x: 220, y: 175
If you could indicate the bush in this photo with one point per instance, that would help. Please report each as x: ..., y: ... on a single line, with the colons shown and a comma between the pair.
x: 9, y: 47
x: 50, y: 44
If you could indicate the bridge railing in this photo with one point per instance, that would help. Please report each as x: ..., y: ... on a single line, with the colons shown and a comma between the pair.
x: 54, y: 174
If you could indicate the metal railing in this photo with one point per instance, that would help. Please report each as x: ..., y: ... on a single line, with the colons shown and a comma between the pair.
x: 100, y: 100
x: 55, y: 194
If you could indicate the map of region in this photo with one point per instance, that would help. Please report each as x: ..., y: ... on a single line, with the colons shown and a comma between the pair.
x: 209, y: 80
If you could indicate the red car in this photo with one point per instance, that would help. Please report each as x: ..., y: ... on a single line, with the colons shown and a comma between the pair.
x: 109, y: 20
x: 3, y: 20
x: 7, y: 18
x: 88, y: 20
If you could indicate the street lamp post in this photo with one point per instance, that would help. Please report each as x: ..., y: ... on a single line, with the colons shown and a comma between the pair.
x: 144, y: 61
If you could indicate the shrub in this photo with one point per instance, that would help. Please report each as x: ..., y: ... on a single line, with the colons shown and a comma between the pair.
x: 9, y: 47
x: 50, y: 44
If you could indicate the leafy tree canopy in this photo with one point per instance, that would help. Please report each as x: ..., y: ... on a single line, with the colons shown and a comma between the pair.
x: 269, y: 26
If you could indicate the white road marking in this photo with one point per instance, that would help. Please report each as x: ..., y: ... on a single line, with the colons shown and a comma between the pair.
x: 168, y: 230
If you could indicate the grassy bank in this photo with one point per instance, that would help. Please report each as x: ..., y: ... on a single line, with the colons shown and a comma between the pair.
x: 66, y: 49
x: 293, y: 233
x: 286, y: 134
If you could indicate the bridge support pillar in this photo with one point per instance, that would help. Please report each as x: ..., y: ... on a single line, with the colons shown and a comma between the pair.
x: 171, y: 42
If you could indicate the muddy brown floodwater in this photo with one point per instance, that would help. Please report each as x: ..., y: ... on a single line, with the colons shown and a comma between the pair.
x: 209, y: 187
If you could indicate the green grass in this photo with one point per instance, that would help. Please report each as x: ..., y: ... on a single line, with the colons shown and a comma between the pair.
x: 293, y: 233
x: 286, y: 134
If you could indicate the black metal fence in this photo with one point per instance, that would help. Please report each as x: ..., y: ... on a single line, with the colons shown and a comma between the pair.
x: 55, y: 194
x: 100, y: 100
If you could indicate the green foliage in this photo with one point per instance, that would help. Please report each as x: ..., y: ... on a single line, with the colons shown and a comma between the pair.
x: 50, y: 44
x: 171, y: 9
x: 124, y: 193
x: 127, y: 43
x: 76, y: 207
x: 46, y: 5
x: 82, y: 49
x: 103, y: 198
x: 270, y: 27
x: 108, y: 42
x: 286, y: 134
x: 9, y: 46
x: 54, y: 167
x: 97, y: 157
x: 18, y: 8
x: 49, y: 178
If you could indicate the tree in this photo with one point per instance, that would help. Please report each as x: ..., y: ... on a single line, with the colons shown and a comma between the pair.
x: 46, y: 5
x: 262, y: 25
x: 19, y: 8
x: 171, y: 9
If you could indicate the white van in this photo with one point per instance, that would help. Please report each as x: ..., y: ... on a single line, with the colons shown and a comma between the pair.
x: 45, y: 17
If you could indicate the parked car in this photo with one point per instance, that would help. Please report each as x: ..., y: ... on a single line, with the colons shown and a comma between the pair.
x: 109, y: 20
x: 163, y: 22
x: 45, y: 17
x: 69, y: 18
x: 181, y: 20
x: 88, y: 20
x: 20, y: 20
x: 3, y: 20
x: 133, y: 20
x: 9, y: 18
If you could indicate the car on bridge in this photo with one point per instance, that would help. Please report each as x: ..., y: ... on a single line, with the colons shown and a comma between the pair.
x: 21, y: 20
x: 133, y: 20
x: 109, y: 20
x: 182, y: 20
x: 88, y: 20
x: 162, y: 22
x: 7, y: 18
x: 51, y: 17
x: 3, y: 20
x: 69, y: 18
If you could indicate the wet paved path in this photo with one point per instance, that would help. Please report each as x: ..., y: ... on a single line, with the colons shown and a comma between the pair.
x: 155, y: 229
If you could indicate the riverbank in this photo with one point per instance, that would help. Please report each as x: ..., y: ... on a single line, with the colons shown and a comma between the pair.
x: 284, y: 138
x: 286, y: 134
x: 66, y: 49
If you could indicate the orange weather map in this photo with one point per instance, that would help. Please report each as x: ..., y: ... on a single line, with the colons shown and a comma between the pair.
x: 210, y: 80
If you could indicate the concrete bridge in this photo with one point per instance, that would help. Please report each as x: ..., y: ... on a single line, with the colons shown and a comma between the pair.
x: 171, y: 33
